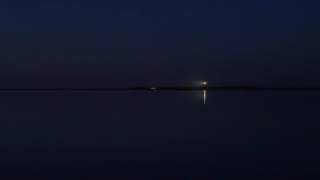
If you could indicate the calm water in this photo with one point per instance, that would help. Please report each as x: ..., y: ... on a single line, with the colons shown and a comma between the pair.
x: 156, y: 135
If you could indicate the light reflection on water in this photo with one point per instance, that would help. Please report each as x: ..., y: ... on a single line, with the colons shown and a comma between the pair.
x: 204, y: 96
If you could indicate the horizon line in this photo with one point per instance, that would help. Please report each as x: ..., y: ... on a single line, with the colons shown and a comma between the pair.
x: 175, y: 88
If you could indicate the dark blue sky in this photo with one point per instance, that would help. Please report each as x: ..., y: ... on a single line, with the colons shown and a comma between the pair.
x: 102, y: 43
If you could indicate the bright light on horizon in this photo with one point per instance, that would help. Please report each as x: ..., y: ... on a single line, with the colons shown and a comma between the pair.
x: 204, y: 83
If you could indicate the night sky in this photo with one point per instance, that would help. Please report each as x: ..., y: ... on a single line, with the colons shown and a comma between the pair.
x: 64, y: 43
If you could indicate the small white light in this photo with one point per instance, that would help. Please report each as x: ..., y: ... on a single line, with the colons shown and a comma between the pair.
x: 153, y: 88
x: 204, y: 83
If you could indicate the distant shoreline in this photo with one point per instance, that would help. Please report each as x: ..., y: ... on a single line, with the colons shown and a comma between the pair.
x: 175, y: 88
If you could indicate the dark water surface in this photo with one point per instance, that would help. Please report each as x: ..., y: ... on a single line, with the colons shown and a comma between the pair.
x: 65, y: 135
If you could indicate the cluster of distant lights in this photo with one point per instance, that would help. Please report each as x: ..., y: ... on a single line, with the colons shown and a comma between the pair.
x: 202, y: 83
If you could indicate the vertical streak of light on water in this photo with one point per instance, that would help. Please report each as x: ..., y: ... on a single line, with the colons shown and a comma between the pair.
x: 204, y: 96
